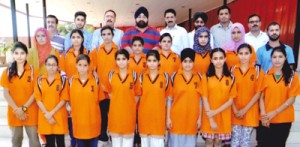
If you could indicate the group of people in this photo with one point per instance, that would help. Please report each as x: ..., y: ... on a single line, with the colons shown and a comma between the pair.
x: 133, y: 87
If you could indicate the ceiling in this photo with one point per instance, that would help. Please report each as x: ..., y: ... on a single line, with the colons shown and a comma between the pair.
x: 65, y: 9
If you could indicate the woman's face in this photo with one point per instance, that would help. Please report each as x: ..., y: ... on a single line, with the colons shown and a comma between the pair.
x: 278, y: 59
x: 187, y: 64
x: 19, y: 55
x: 122, y: 61
x: 152, y: 62
x: 76, y: 39
x: 236, y: 35
x: 244, y: 55
x: 41, y: 38
x: 51, y: 66
x: 166, y: 43
x: 218, y: 60
x: 203, y: 39
x: 82, y: 67
x: 107, y: 36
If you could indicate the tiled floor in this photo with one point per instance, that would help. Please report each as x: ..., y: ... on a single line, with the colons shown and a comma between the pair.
x: 5, y: 134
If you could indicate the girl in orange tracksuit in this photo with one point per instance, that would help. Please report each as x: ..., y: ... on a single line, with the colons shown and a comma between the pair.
x: 137, y: 61
x: 279, y: 90
x: 69, y: 66
x: 219, y: 90
x: 170, y: 62
x: 245, y: 106
x: 123, y: 89
x: 184, y: 108
x: 85, y: 95
x: 51, y: 92
x: 18, y: 85
x: 69, y: 61
x: 104, y: 59
x: 202, y: 48
x: 152, y: 110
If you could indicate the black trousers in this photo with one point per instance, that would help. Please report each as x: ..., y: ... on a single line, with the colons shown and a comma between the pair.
x: 59, y: 139
x: 275, y: 136
x: 104, y: 107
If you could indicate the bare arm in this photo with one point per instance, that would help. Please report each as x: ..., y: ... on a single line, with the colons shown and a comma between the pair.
x: 128, y: 48
x: 9, y: 99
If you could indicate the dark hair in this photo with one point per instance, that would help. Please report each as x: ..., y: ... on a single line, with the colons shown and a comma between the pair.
x: 224, y: 7
x: 153, y: 53
x: 13, y: 69
x: 81, y: 34
x: 110, y: 11
x: 122, y: 52
x: 107, y: 28
x: 245, y: 45
x: 273, y: 24
x: 137, y: 38
x: 83, y: 57
x: 170, y: 11
x: 211, y: 69
x: 53, y: 16
x: 51, y: 57
x: 80, y: 13
x: 286, y: 69
x: 253, y: 15
x: 165, y: 35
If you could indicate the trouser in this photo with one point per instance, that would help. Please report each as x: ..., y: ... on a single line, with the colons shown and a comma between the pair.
x: 152, y: 142
x: 17, y: 136
x: 104, y: 107
x: 274, y: 136
x: 59, y: 139
x: 120, y: 141
x: 241, y: 136
x: 87, y: 142
x: 73, y: 140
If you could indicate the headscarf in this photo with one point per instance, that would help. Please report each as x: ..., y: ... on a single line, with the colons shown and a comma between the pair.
x: 43, y: 50
x: 187, y: 52
x: 197, y: 47
x: 141, y: 10
x: 232, y: 45
x: 202, y: 15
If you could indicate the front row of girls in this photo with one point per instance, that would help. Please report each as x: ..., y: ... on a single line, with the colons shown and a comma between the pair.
x: 231, y: 100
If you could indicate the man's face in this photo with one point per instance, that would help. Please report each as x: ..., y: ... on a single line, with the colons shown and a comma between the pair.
x: 274, y: 32
x: 224, y: 16
x: 141, y: 21
x: 170, y: 19
x: 254, y: 24
x: 79, y: 22
x: 110, y: 19
x: 199, y: 23
x: 51, y: 24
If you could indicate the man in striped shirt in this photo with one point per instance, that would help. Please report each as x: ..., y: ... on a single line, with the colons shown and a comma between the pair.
x: 57, y: 40
x: 149, y: 34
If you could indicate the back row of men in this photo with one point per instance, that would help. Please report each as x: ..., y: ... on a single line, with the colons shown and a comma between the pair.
x: 220, y: 33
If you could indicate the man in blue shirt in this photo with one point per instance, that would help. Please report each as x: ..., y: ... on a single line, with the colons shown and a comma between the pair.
x: 264, y: 53
x: 80, y: 20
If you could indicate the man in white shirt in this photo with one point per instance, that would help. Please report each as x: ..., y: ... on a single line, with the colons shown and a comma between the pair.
x: 110, y: 19
x: 200, y: 18
x: 255, y: 37
x: 179, y: 34
x: 221, y: 31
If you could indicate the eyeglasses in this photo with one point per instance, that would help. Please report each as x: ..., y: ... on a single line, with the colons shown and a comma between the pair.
x: 252, y: 22
x: 51, y: 65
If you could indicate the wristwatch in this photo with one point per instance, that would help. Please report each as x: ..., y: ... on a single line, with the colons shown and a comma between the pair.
x: 24, y: 108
